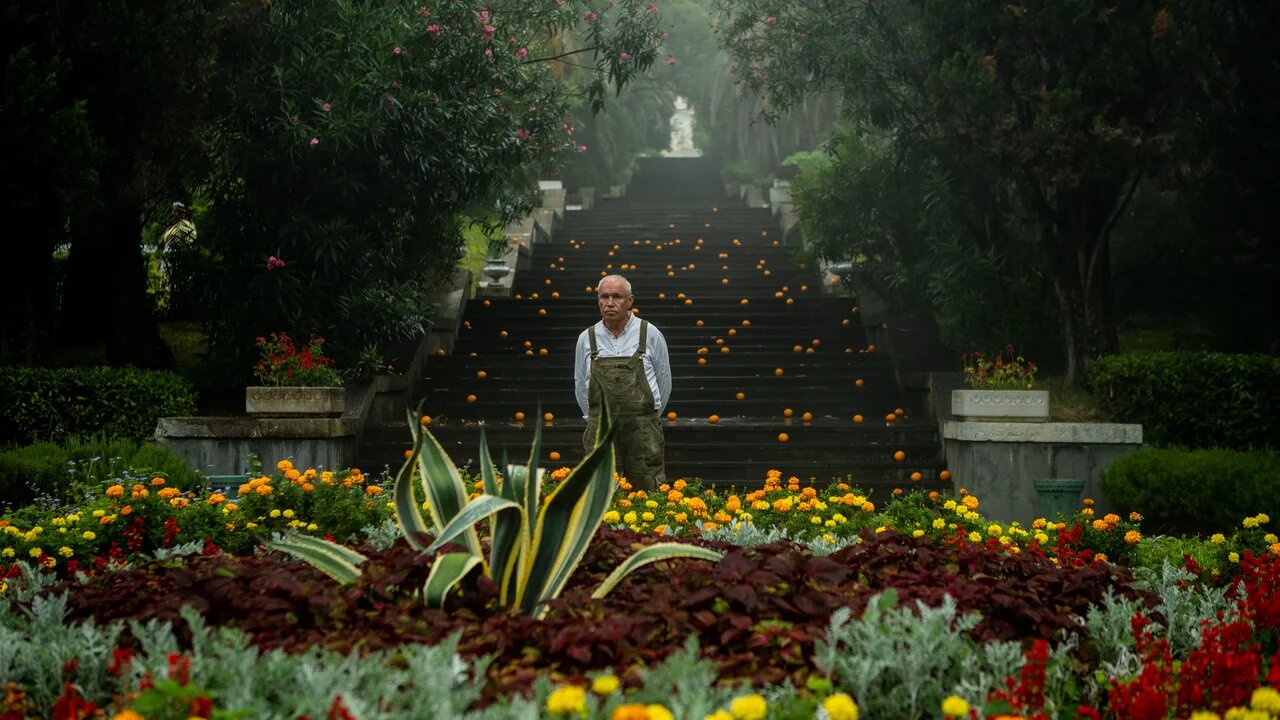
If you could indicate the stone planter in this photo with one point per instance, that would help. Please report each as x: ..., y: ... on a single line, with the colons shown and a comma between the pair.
x: 287, y: 401
x: 1001, y: 405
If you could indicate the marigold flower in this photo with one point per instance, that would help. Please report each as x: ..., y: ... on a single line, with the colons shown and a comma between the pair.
x: 675, y: 496
x: 1217, y: 538
x: 89, y: 535
x: 115, y: 491
x: 128, y: 714
x: 1133, y: 537
x: 630, y: 518
x: 605, y: 685
x: 840, y: 707
x: 647, y: 516
x: 630, y: 711
x: 1233, y: 557
x: 970, y: 501
x: 230, y: 507
x: 264, y: 490
x: 955, y: 706
x: 292, y: 475
x: 1135, y: 516
x: 659, y: 712
x: 749, y: 707
x: 868, y: 506
x: 1101, y: 525
x: 284, y: 465
x: 567, y: 700
x: 7, y: 552
x: 275, y: 513
x: 169, y: 492
x: 35, y: 552
x: 710, y: 526
x: 179, y: 502
x: 1265, y: 700
x: 680, y: 485
x: 722, y: 517
x: 106, y: 519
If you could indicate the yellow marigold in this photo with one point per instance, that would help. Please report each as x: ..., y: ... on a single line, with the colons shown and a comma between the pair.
x: 1250, y: 522
x: 264, y: 490
x: 782, y: 505
x: 326, y: 477
x: 647, y: 516
x: 65, y: 551
x: 749, y: 707
x: 275, y: 513
x: 760, y: 505
x: 955, y: 706
x: 939, y: 523
x: 719, y: 715
x: 949, y: 505
x: 651, y: 504
x: 1101, y: 525
x: 179, y: 502
x: 288, y: 513
x: 312, y: 527
x: 975, y: 537
x: 868, y: 506
x: 630, y: 518
x: 840, y: 707
x: 1270, y: 538
x: 606, y: 684
x: 7, y: 552
x: 611, y: 517
x: 1217, y: 538
x: 1133, y: 537
x: 970, y: 501
x: 1135, y: 516
x: 917, y: 532
x: 815, y: 520
x: 994, y: 530
x: 1263, y: 518
x: 89, y: 535
x: 840, y: 519
x: 1233, y: 557
x: 659, y: 712
x: 35, y: 552
x: 169, y: 492
x: 1265, y: 700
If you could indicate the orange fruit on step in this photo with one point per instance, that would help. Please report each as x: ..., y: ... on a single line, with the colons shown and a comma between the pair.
x: 890, y: 417
x: 745, y: 301
x: 542, y: 351
x: 916, y: 476
x: 724, y: 349
x: 899, y: 412
x: 733, y: 331
x: 713, y: 419
x: 408, y: 454
x: 702, y: 361
x: 426, y: 420
x: 783, y: 437
x: 740, y: 396
x: 899, y: 456
x: 480, y: 375
x: 857, y: 419
x: 519, y: 417
x: 542, y: 311
x: 777, y: 371
x: 471, y: 398
x: 746, y: 323
x: 797, y: 348
x: 440, y: 352
x: 487, y: 303
x: 788, y: 412
x: 528, y: 344
x: 502, y: 333
x: 699, y: 323
x: 845, y: 322
x: 944, y: 475
x: 808, y: 351
x: 671, y: 416
x: 859, y: 382
x: 807, y: 417
x: 555, y: 456
x: 548, y: 417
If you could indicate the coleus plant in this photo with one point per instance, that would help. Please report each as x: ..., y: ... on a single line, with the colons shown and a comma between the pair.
x: 535, y: 542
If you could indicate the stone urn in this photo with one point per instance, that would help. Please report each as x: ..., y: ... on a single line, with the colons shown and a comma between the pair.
x: 1001, y: 405
x: 293, y: 401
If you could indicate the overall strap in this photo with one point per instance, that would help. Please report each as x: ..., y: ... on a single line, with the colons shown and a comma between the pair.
x: 591, y: 333
x: 644, y: 338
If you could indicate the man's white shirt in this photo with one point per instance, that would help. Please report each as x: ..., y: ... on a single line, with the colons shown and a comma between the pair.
x: 657, y: 364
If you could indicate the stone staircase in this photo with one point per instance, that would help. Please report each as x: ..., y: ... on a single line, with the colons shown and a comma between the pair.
x: 751, y: 337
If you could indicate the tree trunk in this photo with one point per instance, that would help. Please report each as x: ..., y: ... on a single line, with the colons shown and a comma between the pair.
x: 26, y: 333
x: 105, y: 298
x: 1079, y: 247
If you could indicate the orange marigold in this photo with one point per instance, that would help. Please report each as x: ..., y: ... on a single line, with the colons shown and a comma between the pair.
x: 373, y: 490
x: 263, y: 490
x: 115, y: 491
x: 169, y: 492
x: 157, y: 481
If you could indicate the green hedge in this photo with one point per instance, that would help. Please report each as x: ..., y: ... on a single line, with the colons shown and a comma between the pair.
x: 50, y: 404
x: 64, y: 471
x: 1180, y: 491
x: 1193, y: 399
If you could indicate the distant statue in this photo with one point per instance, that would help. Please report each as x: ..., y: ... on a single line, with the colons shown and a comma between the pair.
x: 682, y: 132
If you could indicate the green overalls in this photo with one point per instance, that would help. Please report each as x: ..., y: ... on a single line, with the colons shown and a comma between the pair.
x: 638, y: 445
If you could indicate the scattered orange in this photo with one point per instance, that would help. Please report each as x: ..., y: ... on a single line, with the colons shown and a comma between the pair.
x: 807, y: 417
x: 426, y: 420
x: 788, y: 412
x: 528, y: 343
x: 777, y: 371
x: 890, y: 417
x: 746, y: 323
x: 724, y: 349
x: 548, y: 417
x: 408, y: 454
x: 480, y: 375
x: 713, y: 419
x: 440, y: 352
x: 671, y: 416
x: 857, y: 419
x: 745, y: 301
x: 542, y: 351
x: 502, y: 333
x: 471, y: 398
x: 797, y: 348
x: 899, y: 412
x: 899, y: 456
x: 916, y: 476
x: 699, y: 323
x: 487, y: 303
x: 944, y: 475
x: 741, y: 396
x: 845, y: 322
x: 859, y: 382
x: 733, y: 331
x: 519, y: 417
x: 555, y: 456
x: 782, y: 437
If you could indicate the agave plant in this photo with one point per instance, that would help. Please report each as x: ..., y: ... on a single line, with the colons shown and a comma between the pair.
x: 535, y: 543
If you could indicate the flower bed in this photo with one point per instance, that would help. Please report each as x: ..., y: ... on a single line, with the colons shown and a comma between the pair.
x: 902, y: 606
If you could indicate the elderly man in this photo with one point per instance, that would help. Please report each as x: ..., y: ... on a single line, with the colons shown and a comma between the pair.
x: 625, y: 359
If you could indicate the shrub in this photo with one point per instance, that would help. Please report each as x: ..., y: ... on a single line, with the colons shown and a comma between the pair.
x: 1196, y: 399
x: 64, y: 471
x: 1181, y: 491
x: 51, y: 404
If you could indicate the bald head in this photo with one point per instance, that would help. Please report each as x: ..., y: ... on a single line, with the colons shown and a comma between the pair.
x: 625, y: 283
x: 613, y: 294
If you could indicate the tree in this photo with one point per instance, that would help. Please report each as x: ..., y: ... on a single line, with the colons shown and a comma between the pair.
x: 1071, y: 103
x: 356, y: 135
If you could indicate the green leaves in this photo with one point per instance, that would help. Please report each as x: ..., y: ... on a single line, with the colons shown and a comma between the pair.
x: 535, y: 544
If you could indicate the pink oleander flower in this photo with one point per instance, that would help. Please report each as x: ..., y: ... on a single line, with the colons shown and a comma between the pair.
x: 424, y: 12
x: 326, y: 107
x: 582, y: 148
x: 483, y: 15
x: 489, y: 30
x: 624, y: 57
x: 666, y: 35
x: 274, y: 262
x: 522, y: 53
x: 522, y: 134
x: 652, y: 9
x: 314, y: 142
x: 772, y: 20
x: 591, y: 17
x: 433, y: 29
x: 396, y: 50
x: 488, y: 52
x: 671, y: 62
